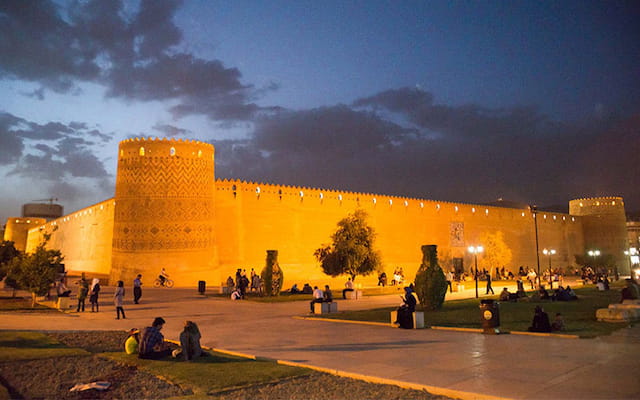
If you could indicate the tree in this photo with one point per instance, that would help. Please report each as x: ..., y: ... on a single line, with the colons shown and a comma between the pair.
x: 352, y: 252
x: 7, y: 253
x: 431, y: 284
x: 496, y: 252
x: 36, y: 271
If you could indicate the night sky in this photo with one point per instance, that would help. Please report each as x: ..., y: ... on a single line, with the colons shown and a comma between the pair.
x: 531, y: 101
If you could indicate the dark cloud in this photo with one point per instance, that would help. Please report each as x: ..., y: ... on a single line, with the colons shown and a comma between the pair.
x: 170, y: 130
x: 59, y: 150
x: 132, y: 53
x: 478, y: 155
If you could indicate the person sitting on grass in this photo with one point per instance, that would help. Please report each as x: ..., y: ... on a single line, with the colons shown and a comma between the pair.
x: 189, y: 342
x: 558, y: 323
x: 152, y: 345
x: 131, y: 344
x: 504, y: 295
x: 540, y: 321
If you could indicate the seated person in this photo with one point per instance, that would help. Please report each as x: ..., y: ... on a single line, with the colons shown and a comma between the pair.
x: 306, y: 289
x: 406, y: 310
x: 189, y: 342
x: 629, y: 292
x: 152, y: 345
x: 540, y: 321
x: 348, y: 287
x: 131, y: 344
x: 62, y: 289
x: 236, y: 295
x: 558, y: 323
x: 544, y: 295
x: 318, y: 297
x: 504, y: 295
x: 571, y: 294
x: 327, y: 296
x: 294, y: 289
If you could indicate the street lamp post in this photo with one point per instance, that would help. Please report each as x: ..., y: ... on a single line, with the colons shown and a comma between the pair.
x: 627, y: 254
x: 549, y: 253
x: 475, y: 250
x: 594, y: 253
x: 534, y: 213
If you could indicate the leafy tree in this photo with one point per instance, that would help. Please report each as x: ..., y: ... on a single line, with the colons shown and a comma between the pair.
x: 36, y: 271
x: 272, y: 275
x: 496, y: 253
x: 431, y: 284
x: 7, y: 253
x: 352, y: 252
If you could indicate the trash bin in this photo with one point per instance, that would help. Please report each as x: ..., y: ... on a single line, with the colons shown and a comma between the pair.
x: 490, y: 315
x: 202, y: 286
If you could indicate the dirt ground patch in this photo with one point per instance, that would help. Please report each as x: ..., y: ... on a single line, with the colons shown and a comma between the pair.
x: 325, y: 387
x: 52, y: 378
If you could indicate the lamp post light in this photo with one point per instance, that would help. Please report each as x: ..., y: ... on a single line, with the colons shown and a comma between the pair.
x: 534, y: 213
x: 475, y: 250
x: 627, y: 254
x: 594, y: 253
x: 549, y: 253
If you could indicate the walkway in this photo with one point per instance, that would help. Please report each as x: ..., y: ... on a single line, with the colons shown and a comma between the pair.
x: 503, y: 366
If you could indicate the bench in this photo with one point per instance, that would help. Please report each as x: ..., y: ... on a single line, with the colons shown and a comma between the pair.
x: 325, y: 308
x: 418, y: 319
x: 354, y: 295
x: 628, y: 311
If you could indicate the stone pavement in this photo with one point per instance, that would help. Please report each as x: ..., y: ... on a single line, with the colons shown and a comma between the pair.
x: 458, y: 364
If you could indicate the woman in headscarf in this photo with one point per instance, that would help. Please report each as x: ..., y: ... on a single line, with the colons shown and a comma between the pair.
x: 93, y: 294
x: 189, y: 342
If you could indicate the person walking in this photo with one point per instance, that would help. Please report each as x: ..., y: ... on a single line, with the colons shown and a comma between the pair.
x: 137, y: 289
x: 93, y: 297
x: 449, y: 280
x: 489, y: 288
x: 118, y: 299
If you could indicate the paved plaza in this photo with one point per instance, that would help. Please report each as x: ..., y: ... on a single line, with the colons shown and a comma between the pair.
x: 458, y: 364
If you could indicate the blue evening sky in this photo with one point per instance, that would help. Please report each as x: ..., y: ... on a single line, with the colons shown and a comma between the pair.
x: 533, y: 101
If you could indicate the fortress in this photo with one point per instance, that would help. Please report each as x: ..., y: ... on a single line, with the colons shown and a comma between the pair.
x: 170, y: 211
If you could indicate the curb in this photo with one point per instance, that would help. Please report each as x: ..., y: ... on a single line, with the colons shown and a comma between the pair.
x: 438, y: 328
x: 435, y: 390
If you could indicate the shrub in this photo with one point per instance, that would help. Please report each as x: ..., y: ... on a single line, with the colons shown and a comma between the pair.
x: 430, y: 284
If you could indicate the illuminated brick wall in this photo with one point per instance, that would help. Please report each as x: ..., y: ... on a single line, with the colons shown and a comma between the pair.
x: 604, y: 226
x: 164, y: 212
x: 170, y: 212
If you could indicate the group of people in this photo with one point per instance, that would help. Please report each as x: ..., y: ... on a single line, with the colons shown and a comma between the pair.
x: 150, y: 344
x: 92, y: 291
x: 320, y: 296
x: 541, y: 322
x: 244, y: 283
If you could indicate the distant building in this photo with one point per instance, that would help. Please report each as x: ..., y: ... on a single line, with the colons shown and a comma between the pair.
x: 169, y: 211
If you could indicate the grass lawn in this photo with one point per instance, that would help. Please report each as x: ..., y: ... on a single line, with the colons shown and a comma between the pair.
x: 214, y: 373
x: 19, y: 345
x: 579, y: 315
x: 8, y: 303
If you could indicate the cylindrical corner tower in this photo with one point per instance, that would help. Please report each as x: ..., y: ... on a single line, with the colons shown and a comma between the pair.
x: 604, y: 225
x: 164, y: 212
